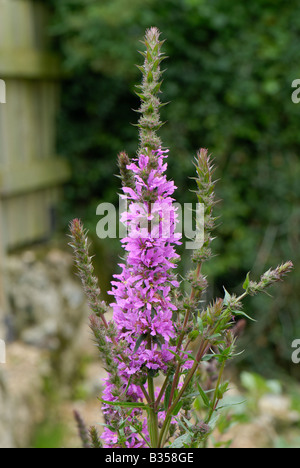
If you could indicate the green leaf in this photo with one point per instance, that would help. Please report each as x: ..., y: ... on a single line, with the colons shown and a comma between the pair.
x: 230, y: 405
x: 141, y: 68
x: 182, y: 441
x: 111, y: 428
x: 227, y: 297
x: 156, y: 88
x: 139, y: 341
x: 129, y: 382
x: 215, y: 336
x: 200, y: 325
x: 194, y: 335
x: 150, y: 77
x: 167, y: 396
x: 185, y: 424
x: 177, y: 408
x: 125, y: 404
x: 221, y: 390
x: 208, y: 357
x: 247, y: 282
x: 125, y: 422
x: 204, y: 397
x: 243, y: 314
x: 181, y: 359
x: 157, y: 341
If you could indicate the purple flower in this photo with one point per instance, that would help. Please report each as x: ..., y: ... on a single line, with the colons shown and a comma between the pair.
x: 143, y: 308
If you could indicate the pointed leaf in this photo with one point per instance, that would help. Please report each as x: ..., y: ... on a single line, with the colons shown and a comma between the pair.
x: 243, y: 314
x: 182, y: 441
x: 200, y: 325
x: 139, y: 341
x: 167, y: 396
x: 247, y: 282
x: 125, y: 404
x: 177, y: 408
x: 227, y: 297
x: 203, y: 395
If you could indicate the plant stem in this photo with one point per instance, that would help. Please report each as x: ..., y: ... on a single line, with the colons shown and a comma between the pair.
x: 187, y: 314
x: 162, y: 391
x: 146, y: 394
x: 215, y: 402
x: 152, y: 420
x: 181, y: 338
x: 202, y: 351
x: 163, y: 440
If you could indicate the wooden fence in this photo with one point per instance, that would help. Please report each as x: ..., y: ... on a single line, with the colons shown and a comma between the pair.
x: 30, y: 172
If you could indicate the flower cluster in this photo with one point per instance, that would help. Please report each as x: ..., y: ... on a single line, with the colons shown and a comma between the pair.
x: 143, y: 306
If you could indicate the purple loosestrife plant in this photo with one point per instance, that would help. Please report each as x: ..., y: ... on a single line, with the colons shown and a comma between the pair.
x: 155, y: 323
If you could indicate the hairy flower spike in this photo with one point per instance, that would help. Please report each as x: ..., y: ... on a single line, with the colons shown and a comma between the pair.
x: 206, y: 196
x: 269, y: 278
x: 273, y: 276
x: 126, y: 175
x: 83, y: 431
x: 106, y: 350
x: 89, y: 437
x: 85, y: 268
x: 94, y: 436
x: 149, y: 122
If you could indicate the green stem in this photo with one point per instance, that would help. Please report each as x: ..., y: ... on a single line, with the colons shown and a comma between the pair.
x: 187, y: 381
x: 163, y: 389
x: 165, y: 435
x: 187, y: 314
x: 240, y: 298
x: 145, y: 394
x: 182, y: 335
x: 152, y: 419
x: 172, y: 407
x: 215, y: 402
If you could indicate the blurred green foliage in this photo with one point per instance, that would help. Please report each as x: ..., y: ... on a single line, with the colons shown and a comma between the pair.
x: 228, y: 77
x: 253, y: 403
x: 49, y: 434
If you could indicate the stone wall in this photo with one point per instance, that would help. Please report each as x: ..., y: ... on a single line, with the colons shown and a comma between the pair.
x: 46, y: 333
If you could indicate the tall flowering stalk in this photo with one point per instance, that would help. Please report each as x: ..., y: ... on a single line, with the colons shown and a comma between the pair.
x: 154, y: 322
